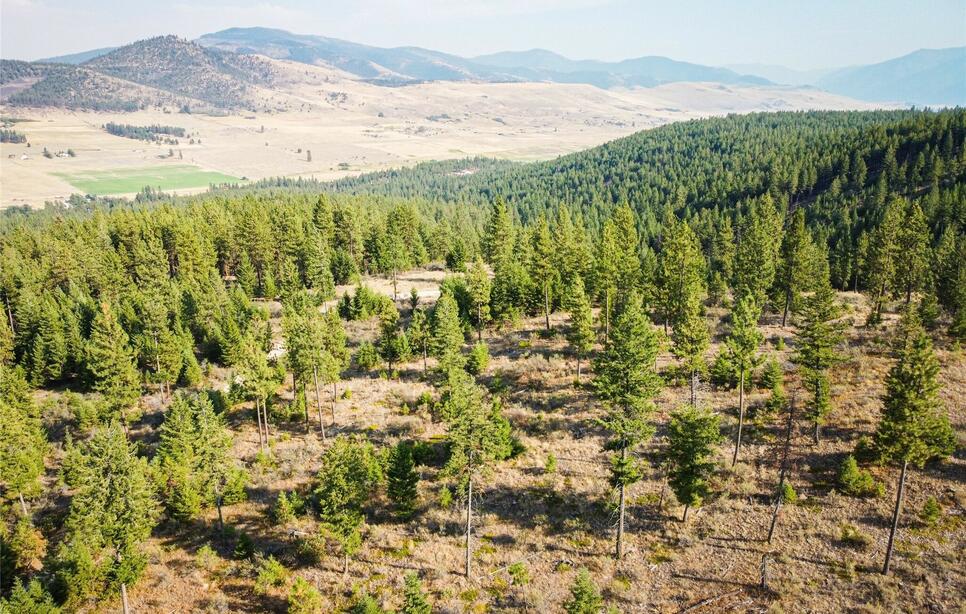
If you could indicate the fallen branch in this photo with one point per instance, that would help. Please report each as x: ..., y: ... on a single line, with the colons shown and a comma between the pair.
x: 709, y: 601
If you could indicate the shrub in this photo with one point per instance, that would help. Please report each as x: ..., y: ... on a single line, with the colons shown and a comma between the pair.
x: 445, y: 497
x: 788, y: 493
x: 585, y: 598
x: 244, y: 547
x: 857, y: 482
x: 366, y: 604
x: 519, y: 574
x: 287, y: 507
x: 850, y: 535
x: 931, y: 511
x: 551, y: 465
x: 206, y: 558
x: 478, y: 359
x: 367, y: 357
x: 303, y: 598
x: 771, y: 375
x: 271, y: 574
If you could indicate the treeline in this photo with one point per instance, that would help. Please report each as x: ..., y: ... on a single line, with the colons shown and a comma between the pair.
x: 145, y: 133
x: 12, y: 136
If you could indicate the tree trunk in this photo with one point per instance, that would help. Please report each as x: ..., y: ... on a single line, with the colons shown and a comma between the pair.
x: 607, y: 316
x: 469, y: 524
x: 684, y: 517
x: 318, y: 400
x: 305, y: 404
x: 694, y: 384
x: 125, y: 609
x: 268, y: 431
x: 23, y: 504
x: 546, y: 303
x: 335, y: 395
x: 781, y: 474
x: 815, y: 435
x: 578, y: 367
x: 895, y: 518
x: 788, y: 300
x: 741, y: 415
x: 221, y: 518
x: 258, y: 418
x: 619, y: 549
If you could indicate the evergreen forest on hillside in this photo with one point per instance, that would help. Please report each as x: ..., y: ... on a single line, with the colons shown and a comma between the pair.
x: 542, y: 384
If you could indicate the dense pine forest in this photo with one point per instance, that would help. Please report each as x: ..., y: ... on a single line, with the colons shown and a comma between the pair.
x: 650, y: 376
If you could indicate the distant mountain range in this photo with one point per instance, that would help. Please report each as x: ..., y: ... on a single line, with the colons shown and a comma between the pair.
x: 401, y: 65
x: 218, y: 70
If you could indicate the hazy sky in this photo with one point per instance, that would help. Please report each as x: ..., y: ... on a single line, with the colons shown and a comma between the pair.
x: 797, y: 33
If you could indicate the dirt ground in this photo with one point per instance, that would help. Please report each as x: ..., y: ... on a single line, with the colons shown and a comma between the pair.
x: 350, y: 127
x: 555, y: 523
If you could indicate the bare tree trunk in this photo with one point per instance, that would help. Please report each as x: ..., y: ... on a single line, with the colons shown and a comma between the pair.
x: 262, y: 437
x: 741, y: 415
x: 125, y: 609
x: 268, y: 430
x: 318, y: 400
x: 546, y: 303
x: 23, y: 504
x: 779, y: 499
x: 895, y: 518
x: 788, y: 300
x: 684, y: 517
x: 619, y: 549
x: 335, y: 394
x: 469, y: 524
x: 221, y: 518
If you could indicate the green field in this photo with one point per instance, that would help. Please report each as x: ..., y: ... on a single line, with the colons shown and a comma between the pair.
x: 127, y: 180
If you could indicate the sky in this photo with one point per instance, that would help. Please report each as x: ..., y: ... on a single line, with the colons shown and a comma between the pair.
x: 800, y: 34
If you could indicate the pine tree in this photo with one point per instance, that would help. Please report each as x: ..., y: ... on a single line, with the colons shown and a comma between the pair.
x: 402, y: 480
x: 447, y: 333
x: 818, y: 337
x: 627, y: 381
x: 581, y: 334
x: 23, y: 442
x: 475, y: 440
x: 692, y: 435
x: 880, y: 265
x: 111, y: 364
x: 742, y: 344
x: 393, y: 343
x: 349, y: 476
x: 795, y: 265
x: 414, y: 600
x: 335, y: 355
x: 605, y: 272
x: 542, y: 268
x: 246, y: 275
x: 912, y: 242
x: 628, y: 255
x: 914, y: 427
x: 478, y: 282
x: 419, y: 334
x: 498, y: 236
x: 690, y: 340
x: 112, y: 512
x: 584, y: 596
x: 756, y: 253
x: 681, y: 273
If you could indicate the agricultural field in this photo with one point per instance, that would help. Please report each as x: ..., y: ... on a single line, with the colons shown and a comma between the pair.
x: 127, y: 180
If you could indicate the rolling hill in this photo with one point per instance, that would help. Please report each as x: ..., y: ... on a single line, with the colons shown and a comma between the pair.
x: 165, y: 70
x: 924, y: 77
